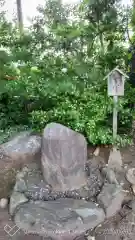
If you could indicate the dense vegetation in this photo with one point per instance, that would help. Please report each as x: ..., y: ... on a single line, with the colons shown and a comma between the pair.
x: 55, y: 70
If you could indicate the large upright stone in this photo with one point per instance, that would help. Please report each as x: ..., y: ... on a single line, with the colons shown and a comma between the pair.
x: 64, y: 154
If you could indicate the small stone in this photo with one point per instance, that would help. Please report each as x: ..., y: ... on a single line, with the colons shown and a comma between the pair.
x: 20, y: 175
x: 133, y: 206
x: 95, y: 180
x: 122, y: 184
x: 20, y: 186
x: 3, y: 203
x: 91, y: 238
x: 31, y: 219
x: 130, y: 175
x: 115, y: 160
x: 25, y: 170
x: 16, y: 200
x: 110, y: 175
x: 133, y: 188
x: 111, y: 198
x: 96, y: 152
x: 125, y: 191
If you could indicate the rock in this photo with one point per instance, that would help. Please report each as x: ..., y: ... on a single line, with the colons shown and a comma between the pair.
x: 91, y: 238
x: 119, y: 227
x: 14, y: 154
x: 25, y: 170
x: 31, y: 183
x: 34, y: 174
x: 94, y: 183
x: 133, y: 205
x: 130, y: 175
x: 20, y: 175
x: 64, y: 154
x: 111, y: 198
x: 94, y: 180
x: 24, y: 145
x: 16, y: 200
x: 133, y: 188
x: 96, y: 152
x: 121, y: 178
x: 38, y: 192
x: 95, y: 162
x: 33, y: 186
x: 20, y: 186
x: 115, y: 160
x: 3, y: 203
x: 109, y: 174
x: 60, y: 219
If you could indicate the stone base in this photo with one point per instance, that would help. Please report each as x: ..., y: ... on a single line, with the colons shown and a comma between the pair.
x: 63, y: 218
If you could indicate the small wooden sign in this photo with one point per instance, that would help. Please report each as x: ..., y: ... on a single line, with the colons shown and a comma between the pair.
x: 116, y: 81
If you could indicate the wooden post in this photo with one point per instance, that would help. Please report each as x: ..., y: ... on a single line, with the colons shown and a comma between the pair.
x: 115, y: 115
x: 116, y: 80
x: 19, y: 15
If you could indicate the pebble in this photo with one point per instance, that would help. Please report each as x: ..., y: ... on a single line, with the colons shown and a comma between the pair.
x: 25, y: 170
x: 20, y: 175
x: 122, y: 184
x: 130, y: 175
x: 31, y: 219
x: 3, y: 203
x: 133, y: 188
x: 91, y: 238
x: 126, y: 191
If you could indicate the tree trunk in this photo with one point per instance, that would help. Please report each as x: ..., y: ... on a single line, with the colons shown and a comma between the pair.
x: 19, y: 15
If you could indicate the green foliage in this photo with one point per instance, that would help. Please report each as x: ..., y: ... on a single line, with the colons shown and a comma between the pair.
x: 11, y: 132
x: 62, y: 63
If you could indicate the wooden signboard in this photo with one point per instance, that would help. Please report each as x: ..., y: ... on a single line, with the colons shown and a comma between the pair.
x: 116, y: 82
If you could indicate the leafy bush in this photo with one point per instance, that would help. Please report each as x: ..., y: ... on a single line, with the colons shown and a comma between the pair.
x: 83, y: 106
x: 11, y: 132
x: 60, y: 73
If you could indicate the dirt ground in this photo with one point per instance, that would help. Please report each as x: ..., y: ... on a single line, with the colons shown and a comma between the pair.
x: 128, y: 155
